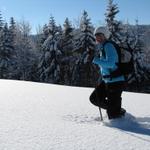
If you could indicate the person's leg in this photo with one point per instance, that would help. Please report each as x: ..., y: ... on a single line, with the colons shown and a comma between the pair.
x: 114, y: 91
x: 98, y: 96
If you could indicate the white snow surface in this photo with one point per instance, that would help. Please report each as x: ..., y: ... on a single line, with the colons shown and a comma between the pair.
x: 37, y: 116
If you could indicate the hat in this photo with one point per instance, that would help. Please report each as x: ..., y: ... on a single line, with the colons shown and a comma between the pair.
x: 102, y: 30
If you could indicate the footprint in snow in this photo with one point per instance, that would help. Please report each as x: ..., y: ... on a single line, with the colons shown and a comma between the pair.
x: 83, y: 118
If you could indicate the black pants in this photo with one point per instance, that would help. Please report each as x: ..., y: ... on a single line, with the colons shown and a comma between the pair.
x: 108, y: 96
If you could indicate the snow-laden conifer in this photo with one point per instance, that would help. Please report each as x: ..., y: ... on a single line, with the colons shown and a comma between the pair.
x: 83, y: 72
x: 24, y: 50
x: 49, y: 66
x: 112, y: 23
x: 67, y: 44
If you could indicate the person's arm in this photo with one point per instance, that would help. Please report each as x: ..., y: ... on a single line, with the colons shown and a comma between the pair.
x: 111, y: 57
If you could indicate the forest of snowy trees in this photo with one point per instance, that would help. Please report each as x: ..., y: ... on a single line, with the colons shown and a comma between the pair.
x: 63, y: 54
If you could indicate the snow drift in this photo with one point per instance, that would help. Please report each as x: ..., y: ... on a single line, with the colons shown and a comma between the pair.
x: 36, y: 116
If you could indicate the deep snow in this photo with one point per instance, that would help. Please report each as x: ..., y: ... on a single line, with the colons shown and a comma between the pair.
x: 36, y: 116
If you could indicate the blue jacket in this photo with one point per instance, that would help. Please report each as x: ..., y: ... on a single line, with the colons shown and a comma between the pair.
x: 107, y: 61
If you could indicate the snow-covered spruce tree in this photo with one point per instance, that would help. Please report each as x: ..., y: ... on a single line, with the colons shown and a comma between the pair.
x: 83, y: 71
x: 49, y: 65
x: 141, y: 74
x: 12, y: 29
x: 67, y: 48
x: 1, y: 40
x: 1, y: 22
x: 6, y: 51
x: 67, y: 44
x: 1, y: 31
x: 24, y: 49
x: 128, y: 43
x: 41, y: 37
x: 113, y: 25
x: 12, y: 39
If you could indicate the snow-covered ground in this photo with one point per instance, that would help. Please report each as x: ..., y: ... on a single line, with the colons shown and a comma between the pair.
x: 36, y: 116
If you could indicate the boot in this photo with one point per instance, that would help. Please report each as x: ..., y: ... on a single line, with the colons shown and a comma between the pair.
x: 118, y: 115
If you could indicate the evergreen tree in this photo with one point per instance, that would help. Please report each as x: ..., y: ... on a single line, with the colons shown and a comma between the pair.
x: 83, y: 72
x: 12, y: 37
x: 112, y: 24
x: 49, y: 66
x: 1, y: 22
x: 59, y: 36
x: 141, y: 73
x: 1, y: 43
x: 6, y: 52
x: 13, y: 32
x: 85, y: 39
x: 1, y: 32
x: 24, y: 49
x: 67, y: 38
x: 67, y: 48
x: 41, y: 37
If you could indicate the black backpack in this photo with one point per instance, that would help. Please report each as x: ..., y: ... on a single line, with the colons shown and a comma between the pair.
x: 125, y: 67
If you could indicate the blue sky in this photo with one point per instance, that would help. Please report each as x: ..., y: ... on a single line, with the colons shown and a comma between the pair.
x: 38, y: 12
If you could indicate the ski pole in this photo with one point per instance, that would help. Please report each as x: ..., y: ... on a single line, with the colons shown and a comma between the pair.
x: 101, y: 117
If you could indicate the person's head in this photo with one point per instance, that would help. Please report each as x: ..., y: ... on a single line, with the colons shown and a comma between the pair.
x: 101, y: 34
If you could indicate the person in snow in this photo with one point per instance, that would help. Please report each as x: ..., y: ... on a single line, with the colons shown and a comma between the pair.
x: 109, y: 90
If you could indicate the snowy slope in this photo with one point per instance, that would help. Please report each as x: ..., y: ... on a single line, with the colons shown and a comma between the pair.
x: 35, y: 116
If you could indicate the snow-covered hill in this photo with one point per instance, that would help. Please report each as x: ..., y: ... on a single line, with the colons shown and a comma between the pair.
x: 36, y: 116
